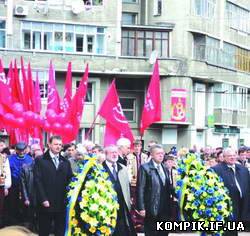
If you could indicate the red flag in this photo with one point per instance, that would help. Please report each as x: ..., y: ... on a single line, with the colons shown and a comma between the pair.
x: 37, y: 134
x: 111, y: 111
x: 5, y: 95
x: 37, y: 97
x: 68, y: 89
x: 74, y: 113
x: 30, y: 88
x: 16, y: 90
x: 111, y: 135
x: 152, y: 105
x: 53, y: 96
x: 25, y: 91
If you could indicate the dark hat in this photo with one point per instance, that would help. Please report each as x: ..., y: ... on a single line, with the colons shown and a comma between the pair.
x: 21, y: 146
x: 169, y: 156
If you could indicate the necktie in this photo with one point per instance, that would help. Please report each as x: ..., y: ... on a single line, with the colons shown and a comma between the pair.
x: 56, y: 162
x: 162, y: 175
x: 236, y: 181
x: 114, y: 172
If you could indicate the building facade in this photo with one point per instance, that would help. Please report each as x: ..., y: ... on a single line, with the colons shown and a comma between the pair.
x: 203, y: 48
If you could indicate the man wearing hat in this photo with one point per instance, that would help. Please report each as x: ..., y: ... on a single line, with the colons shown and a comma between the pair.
x: 17, y: 161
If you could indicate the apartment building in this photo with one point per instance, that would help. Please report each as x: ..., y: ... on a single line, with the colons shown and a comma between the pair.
x: 203, y: 48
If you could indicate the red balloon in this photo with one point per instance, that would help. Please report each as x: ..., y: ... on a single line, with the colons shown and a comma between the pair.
x: 20, y: 122
x: 28, y: 116
x: 18, y: 109
x: 1, y: 110
x: 35, y: 119
x: 61, y: 118
x: 9, y: 119
x: 40, y: 121
x: 47, y: 126
x: 51, y: 116
x: 57, y: 128
x: 68, y: 129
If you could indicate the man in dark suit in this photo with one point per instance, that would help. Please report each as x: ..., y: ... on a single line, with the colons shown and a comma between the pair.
x: 119, y: 177
x: 153, y: 193
x: 236, y: 178
x: 52, y: 173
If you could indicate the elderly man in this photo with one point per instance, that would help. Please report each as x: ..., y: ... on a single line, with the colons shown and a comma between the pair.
x: 154, y: 192
x: 236, y: 178
x: 119, y: 176
x: 124, y: 150
x: 17, y: 161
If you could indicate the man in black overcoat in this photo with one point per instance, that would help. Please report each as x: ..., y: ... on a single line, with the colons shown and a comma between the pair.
x: 154, y: 192
x: 52, y: 173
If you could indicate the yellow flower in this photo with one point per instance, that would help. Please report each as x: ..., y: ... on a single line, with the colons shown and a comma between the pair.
x: 83, y: 204
x: 202, y: 207
x: 74, y: 221
x: 190, y: 197
x: 108, y: 231
x: 77, y: 230
x: 107, y: 221
x: 113, y: 223
x: 92, y: 229
x: 85, y: 216
x: 103, y: 229
x: 92, y: 221
x: 204, y: 194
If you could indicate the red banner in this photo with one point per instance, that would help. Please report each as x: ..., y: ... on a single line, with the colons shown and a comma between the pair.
x: 178, y: 105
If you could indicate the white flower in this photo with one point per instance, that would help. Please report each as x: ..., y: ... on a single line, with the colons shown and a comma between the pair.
x: 94, y: 207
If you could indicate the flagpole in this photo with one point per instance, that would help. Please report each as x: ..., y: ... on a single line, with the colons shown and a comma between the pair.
x: 91, y: 127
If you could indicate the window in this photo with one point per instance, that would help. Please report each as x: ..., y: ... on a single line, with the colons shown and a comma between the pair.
x: 129, y: 18
x: 47, y: 36
x: 26, y: 39
x: 129, y: 1
x: 243, y: 59
x: 227, y: 56
x: 89, y: 95
x: 229, y: 96
x: 43, y: 81
x: 82, y: 135
x: 225, y: 142
x: 238, y: 18
x: 93, y: 2
x: 242, y: 99
x: 69, y: 38
x: 212, y: 50
x: 90, y: 43
x: 208, y: 49
x: 199, y: 49
x: 143, y: 42
x: 63, y: 37
x: 157, y: 7
x: 128, y: 107
x: 2, y: 34
x: 204, y: 8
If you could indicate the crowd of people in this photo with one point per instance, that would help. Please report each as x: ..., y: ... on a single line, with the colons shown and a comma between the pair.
x: 33, y: 182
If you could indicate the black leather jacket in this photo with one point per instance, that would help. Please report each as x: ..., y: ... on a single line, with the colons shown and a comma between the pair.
x: 27, y: 184
x: 149, y: 189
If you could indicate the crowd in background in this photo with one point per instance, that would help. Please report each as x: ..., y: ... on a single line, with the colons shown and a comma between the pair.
x: 33, y: 182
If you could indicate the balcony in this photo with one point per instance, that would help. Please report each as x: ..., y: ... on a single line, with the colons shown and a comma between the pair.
x: 223, y: 116
x: 239, y: 118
